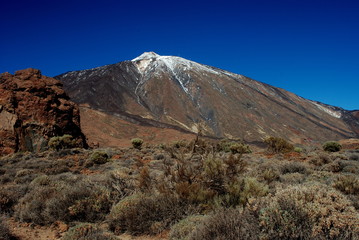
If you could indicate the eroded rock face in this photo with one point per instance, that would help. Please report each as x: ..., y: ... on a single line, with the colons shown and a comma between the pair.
x: 34, y: 108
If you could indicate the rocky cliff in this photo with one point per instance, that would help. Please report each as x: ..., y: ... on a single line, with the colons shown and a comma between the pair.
x: 34, y: 108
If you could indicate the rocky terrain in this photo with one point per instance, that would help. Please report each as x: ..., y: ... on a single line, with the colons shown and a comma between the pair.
x: 174, y: 184
x: 181, y: 93
x: 34, y: 108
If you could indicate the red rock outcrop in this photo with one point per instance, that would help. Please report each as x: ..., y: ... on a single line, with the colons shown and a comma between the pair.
x: 34, y: 108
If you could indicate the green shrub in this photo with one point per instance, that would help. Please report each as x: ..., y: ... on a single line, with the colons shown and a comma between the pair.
x: 298, y: 149
x: 348, y: 184
x: 332, y: 146
x: 97, y: 157
x: 278, y: 145
x: 62, y: 142
x: 229, y: 224
x: 234, y: 146
x: 239, y: 148
x: 137, y: 143
x: 145, y: 214
x: 85, y: 231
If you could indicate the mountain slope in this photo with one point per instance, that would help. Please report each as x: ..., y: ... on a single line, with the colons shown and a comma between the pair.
x: 182, y: 93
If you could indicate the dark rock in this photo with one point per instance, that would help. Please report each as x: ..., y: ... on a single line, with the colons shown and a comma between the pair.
x: 34, y: 108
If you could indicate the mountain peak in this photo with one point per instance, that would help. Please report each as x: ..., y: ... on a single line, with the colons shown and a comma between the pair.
x: 146, y: 55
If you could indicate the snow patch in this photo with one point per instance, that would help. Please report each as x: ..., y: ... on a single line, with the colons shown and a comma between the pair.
x: 328, y: 110
x: 146, y: 55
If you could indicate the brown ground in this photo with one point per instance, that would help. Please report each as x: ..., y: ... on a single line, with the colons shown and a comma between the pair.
x: 26, y: 231
x: 350, y: 143
x: 111, y: 131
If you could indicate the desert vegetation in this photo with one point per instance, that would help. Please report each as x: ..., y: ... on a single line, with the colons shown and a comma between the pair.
x: 202, y: 189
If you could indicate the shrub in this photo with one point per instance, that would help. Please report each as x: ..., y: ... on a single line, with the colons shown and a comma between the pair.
x: 145, y: 214
x: 293, y: 167
x: 308, y: 212
x: 269, y: 175
x: 235, y: 146
x: 9, y: 196
x: 332, y: 146
x: 241, y: 191
x: 278, y: 145
x: 239, y: 148
x: 62, y: 142
x: 298, y: 149
x: 229, y: 224
x: 64, y: 201
x: 137, y: 143
x: 98, y: 157
x: 85, y: 231
x: 348, y: 184
x: 183, y: 229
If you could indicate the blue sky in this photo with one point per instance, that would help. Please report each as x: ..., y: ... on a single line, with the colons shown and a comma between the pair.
x: 310, y: 48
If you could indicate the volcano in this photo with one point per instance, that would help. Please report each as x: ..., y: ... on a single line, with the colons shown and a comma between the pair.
x: 173, y: 92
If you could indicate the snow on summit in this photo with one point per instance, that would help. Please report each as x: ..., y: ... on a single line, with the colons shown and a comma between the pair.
x: 146, y: 55
x: 173, y: 63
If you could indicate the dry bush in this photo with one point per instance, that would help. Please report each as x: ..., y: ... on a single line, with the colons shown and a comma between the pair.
x: 84, y: 231
x: 227, y: 224
x: 182, y: 229
x: 308, y: 212
x: 293, y: 178
x: 293, y: 167
x: 278, y: 145
x: 336, y: 166
x: 241, y: 191
x: 269, y: 175
x: 65, y: 201
x: 354, y: 156
x: 9, y: 196
x: 321, y: 159
x: 206, y: 180
x: 5, y: 233
x: 147, y: 214
x: 348, y: 184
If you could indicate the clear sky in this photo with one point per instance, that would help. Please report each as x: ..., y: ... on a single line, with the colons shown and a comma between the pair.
x: 309, y: 47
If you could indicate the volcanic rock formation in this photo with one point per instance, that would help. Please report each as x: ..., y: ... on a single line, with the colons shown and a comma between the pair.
x: 183, y: 93
x: 34, y: 108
